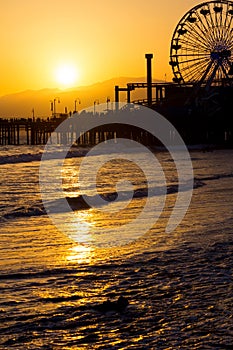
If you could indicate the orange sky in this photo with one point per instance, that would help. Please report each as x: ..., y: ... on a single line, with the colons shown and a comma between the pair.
x: 101, y: 39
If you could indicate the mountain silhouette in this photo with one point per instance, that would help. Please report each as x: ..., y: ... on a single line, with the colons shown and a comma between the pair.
x: 22, y: 104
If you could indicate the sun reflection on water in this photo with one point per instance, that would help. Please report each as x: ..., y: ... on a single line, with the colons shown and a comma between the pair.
x: 79, y: 225
x: 79, y: 229
x: 80, y: 254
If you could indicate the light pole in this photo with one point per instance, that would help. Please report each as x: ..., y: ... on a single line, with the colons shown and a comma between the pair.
x: 33, y: 114
x: 53, y: 105
x: 108, y: 100
x: 75, y: 104
x: 95, y: 102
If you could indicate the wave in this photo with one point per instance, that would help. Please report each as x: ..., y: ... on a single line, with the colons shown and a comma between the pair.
x: 33, y: 275
x: 214, y: 177
x: 33, y: 157
x: 20, y: 158
x: 21, y: 212
x: 79, y: 203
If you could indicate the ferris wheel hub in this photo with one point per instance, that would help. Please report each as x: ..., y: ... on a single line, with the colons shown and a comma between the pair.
x: 220, y: 54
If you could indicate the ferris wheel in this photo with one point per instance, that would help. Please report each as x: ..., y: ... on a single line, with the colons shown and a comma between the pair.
x: 201, y: 49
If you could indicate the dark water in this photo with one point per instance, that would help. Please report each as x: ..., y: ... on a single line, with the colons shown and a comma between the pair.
x: 179, y: 285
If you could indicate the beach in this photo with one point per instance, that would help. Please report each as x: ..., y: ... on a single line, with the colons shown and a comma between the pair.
x: 179, y: 285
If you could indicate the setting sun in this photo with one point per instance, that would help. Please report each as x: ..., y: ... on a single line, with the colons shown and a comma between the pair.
x: 66, y: 75
x: 68, y: 43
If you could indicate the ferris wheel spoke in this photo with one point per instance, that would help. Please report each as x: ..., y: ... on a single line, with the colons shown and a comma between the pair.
x: 199, y: 70
x: 197, y: 40
x: 218, y: 19
x: 222, y: 31
x: 206, y: 18
x: 227, y: 37
x: 230, y: 44
x: 212, y: 24
x: 189, y: 52
x: 216, y: 30
x: 193, y: 60
x: 222, y: 35
x: 194, y: 75
x: 199, y: 44
x: 191, y: 57
x: 190, y: 46
x: 203, y: 28
x: 226, y: 16
x: 216, y: 22
x: 219, y: 32
x: 194, y: 64
x: 194, y: 44
x: 228, y: 24
x: 196, y: 32
x: 195, y: 68
x: 197, y: 36
x: 202, y: 23
x: 208, y: 28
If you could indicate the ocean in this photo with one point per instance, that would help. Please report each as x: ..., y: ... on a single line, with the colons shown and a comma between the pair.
x: 60, y: 289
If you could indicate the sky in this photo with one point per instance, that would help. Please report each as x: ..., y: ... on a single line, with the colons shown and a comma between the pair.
x: 66, y: 43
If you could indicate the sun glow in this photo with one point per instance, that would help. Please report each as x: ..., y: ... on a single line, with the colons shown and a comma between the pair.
x: 66, y: 75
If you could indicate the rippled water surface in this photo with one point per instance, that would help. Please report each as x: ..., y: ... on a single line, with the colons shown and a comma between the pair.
x: 179, y: 285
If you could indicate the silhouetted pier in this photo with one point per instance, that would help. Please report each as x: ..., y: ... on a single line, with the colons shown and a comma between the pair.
x: 38, y: 132
x: 199, y: 118
x: 27, y: 130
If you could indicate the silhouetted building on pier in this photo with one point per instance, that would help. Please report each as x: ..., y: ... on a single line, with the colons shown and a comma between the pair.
x: 200, y: 114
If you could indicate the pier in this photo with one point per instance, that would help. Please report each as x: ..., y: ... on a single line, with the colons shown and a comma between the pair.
x: 200, y: 115
x: 27, y: 130
x: 38, y: 132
